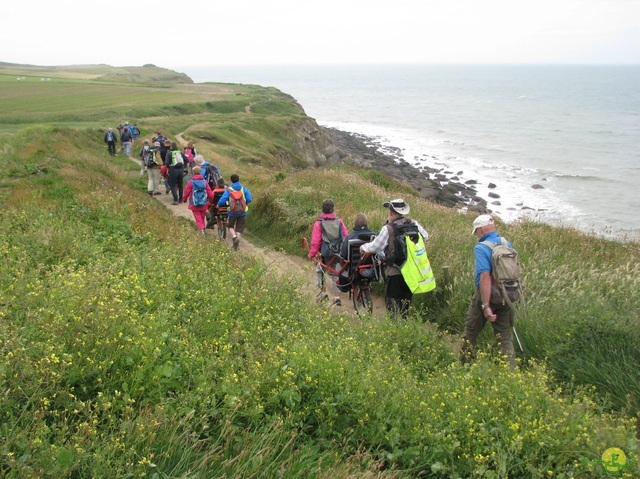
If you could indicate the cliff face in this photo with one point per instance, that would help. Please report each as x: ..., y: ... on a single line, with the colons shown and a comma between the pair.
x: 315, y: 144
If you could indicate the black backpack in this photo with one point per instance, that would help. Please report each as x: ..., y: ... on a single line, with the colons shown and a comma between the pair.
x: 400, y: 231
x: 211, y: 173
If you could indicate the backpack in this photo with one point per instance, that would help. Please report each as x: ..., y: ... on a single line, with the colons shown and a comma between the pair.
x: 125, y: 135
x: 402, y: 231
x: 332, y: 237
x: 188, y: 152
x: 506, y: 274
x: 147, y: 157
x: 237, y: 202
x: 199, y: 196
x: 211, y: 173
x: 176, y: 158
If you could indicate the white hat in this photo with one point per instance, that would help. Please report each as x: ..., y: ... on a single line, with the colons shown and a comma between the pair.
x: 398, y: 205
x: 480, y: 221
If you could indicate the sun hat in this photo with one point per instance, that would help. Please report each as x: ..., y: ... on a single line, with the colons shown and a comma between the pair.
x: 480, y: 221
x: 397, y: 205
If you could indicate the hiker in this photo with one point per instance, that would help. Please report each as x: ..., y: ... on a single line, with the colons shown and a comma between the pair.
x: 238, y: 197
x: 151, y: 165
x: 125, y: 140
x: 110, y: 139
x: 200, y: 195
x: 218, y: 190
x: 165, y: 146
x: 135, y: 132
x: 190, y: 154
x: 174, y: 160
x: 210, y: 172
x: 360, y: 226
x: 327, y: 236
x: 160, y: 138
x: 482, y: 309
x: 397, y: 294
x: 164, y: 172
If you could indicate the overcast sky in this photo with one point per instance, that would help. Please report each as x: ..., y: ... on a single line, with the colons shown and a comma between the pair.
x: 280, y: 32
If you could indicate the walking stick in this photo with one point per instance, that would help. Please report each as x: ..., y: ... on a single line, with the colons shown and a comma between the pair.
x: 515, y: 333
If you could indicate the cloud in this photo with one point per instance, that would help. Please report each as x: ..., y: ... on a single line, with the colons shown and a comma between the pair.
x: 334, y: 31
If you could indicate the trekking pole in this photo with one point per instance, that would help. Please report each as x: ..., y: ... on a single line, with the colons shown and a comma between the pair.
x: 515, y: 333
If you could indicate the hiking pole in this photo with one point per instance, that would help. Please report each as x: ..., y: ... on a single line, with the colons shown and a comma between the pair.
x: 515, y: 333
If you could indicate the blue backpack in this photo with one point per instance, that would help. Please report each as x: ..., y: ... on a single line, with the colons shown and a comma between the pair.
x: 199, y: 192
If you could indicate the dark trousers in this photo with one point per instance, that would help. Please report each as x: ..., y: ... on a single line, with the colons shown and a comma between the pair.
x: 397, y: 296
x: 112, y: 147
x: 176, y: 176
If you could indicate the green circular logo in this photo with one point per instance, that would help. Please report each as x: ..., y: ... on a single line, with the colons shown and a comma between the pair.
x: 614, y: 460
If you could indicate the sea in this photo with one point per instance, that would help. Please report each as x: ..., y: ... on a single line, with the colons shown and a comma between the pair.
x: 558, y: 143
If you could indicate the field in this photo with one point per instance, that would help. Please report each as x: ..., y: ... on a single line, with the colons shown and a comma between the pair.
x: 130, y: 346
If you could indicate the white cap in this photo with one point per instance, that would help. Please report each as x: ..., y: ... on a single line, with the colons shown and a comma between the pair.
x: 480, y: 221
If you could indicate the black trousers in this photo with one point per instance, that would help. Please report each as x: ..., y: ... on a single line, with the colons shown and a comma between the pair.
x: 176, y: 177
x: 397, y: 296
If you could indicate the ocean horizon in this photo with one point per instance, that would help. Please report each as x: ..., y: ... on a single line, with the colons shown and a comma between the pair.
x: 561, y: 143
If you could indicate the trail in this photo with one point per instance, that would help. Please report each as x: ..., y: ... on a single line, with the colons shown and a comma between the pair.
x: 297, y: 271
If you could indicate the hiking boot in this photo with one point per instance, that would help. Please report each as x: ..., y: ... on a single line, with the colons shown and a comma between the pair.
x: 236, y: 243
x: 175, y: 203
x: 337, y: 302
x: 322, y: 297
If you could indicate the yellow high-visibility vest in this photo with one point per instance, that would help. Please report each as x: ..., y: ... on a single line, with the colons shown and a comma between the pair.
x: 416, y: 271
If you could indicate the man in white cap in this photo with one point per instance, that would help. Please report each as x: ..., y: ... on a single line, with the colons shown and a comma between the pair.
x: 397, y: 294
x: 481, y: 309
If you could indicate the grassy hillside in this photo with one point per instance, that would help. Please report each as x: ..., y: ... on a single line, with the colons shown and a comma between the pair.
x: 131, y: 346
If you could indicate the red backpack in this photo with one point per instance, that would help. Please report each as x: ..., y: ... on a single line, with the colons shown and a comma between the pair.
x: 188, y: 152
x: 237, y: 202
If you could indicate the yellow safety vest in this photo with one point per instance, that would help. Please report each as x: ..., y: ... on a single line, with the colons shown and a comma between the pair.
x: 416, y: 271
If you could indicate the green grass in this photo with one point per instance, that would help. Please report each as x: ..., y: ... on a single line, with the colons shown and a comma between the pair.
x: 130, y: 346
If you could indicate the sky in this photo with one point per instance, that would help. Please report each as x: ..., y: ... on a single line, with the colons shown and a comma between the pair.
x: 288, y: 32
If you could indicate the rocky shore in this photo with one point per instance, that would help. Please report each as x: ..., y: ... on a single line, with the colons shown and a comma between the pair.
x: 442, y: 187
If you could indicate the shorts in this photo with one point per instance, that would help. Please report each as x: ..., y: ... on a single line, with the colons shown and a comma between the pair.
x: 237, y: 223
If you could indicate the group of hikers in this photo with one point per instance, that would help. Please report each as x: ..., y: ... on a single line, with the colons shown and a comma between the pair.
x: 205, y: 190
x: 128, y: 135
x: 400, y: 242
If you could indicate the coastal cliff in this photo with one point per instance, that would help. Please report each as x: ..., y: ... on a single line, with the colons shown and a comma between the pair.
x: 322, y: 146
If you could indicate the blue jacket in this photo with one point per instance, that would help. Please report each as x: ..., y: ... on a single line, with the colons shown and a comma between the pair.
x: 224, y: 199
x: 482, y: 254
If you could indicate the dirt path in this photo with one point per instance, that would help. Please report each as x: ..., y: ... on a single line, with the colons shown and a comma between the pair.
x: 296, y: 270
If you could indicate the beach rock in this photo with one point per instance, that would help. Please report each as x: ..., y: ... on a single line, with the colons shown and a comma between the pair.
x: 537, y: 187
x: 493, y: 195
x: 491, y: 185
